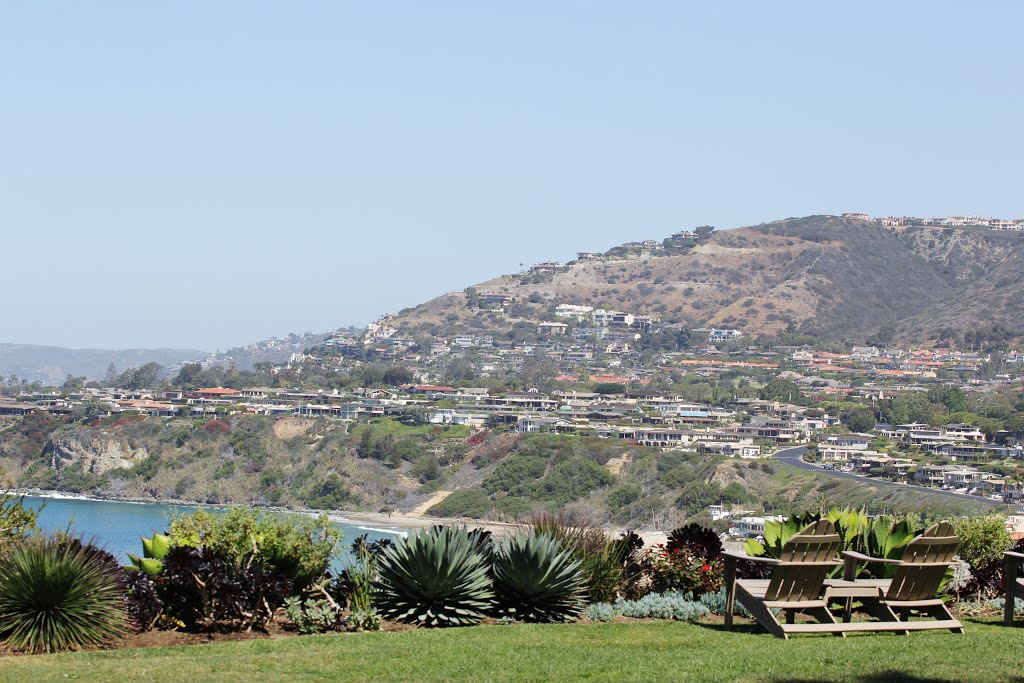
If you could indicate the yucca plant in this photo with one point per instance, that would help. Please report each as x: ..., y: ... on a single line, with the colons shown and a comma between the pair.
x: 59, y: 594
x: 537, y: 580
x: 438, y: 577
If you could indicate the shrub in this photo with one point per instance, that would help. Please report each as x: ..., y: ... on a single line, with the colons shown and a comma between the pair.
x: 601, y: 611
x: 437, y: 577
x: 356, y: 582
x: 608, y: 565
x: 17, y: 522
x: 715, y: 602
x: 142, y: 601
x: 698, y: 539
x: 216, y: 427
x: 59, y: 594
x: 983, y: 540
x: 537, y: 580
x: 300, y: 548
x: 471, y: 503
x: 658, y: 606
x: 982, y: 581
x: 198, y: 587
x: 683, y: 570
x: 312, y: 615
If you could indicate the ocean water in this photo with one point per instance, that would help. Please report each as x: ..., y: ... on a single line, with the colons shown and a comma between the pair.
x: 118, y: 526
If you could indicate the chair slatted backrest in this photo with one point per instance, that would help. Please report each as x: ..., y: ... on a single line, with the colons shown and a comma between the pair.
x: 924, y: 564
x: 806, y: 560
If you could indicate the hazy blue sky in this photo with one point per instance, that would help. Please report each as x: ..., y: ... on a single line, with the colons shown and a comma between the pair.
x: 201, y: 174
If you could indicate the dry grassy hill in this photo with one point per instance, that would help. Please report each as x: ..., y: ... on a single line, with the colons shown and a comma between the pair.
x: 836, y: 277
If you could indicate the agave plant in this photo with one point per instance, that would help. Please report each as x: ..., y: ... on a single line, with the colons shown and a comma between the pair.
x: 154, y: 550
x: 437, y: 577
x: 536, y: 580
x: 59, y: 594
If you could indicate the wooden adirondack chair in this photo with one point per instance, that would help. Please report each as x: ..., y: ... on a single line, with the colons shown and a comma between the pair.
x: 796, y: 584
x: 1014, y: 583
x: 915, y: 585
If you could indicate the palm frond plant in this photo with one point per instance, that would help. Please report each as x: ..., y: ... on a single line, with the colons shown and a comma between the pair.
x: 536, y: 579
x: 435, y: 578
x: 60, y: 594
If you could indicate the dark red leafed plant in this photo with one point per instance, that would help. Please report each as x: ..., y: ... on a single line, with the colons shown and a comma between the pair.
x: 216, y: 427
x: 699, y: 540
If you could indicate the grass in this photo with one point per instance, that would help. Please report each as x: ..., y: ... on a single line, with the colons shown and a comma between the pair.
x: 382, y: 426
x: 640, y: 651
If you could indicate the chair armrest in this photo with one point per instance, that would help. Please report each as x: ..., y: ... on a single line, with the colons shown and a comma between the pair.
x: 1018, y: 556
x: 752, y: 558
x: 867, y: 558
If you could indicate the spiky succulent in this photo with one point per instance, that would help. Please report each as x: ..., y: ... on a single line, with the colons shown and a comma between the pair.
x: 437, y: 577
x: 536, y: 580
x: 59, y: 594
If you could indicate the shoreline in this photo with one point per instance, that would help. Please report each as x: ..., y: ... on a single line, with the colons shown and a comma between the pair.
x: 401, y: 524
x: 394, y: 523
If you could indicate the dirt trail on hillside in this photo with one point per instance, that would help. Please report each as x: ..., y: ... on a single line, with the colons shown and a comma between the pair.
x: 422, y: 508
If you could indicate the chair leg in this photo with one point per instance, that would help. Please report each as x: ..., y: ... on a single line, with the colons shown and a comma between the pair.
x: 730, y: 590
x: 762, y: 614
x: 823, y: 615
x: 881, y: 612
x: 942, y: 613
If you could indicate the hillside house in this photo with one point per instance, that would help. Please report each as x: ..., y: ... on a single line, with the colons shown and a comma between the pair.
x: 546, y: 267
x: 494, y: 300
x: 853, y: 441
x: 552, y: 329
x: 574, y: 312
x: 716, y: 336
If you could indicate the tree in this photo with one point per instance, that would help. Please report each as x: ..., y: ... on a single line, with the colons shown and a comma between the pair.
x: 188, y: 376
x: 416, y: 415
x: 1015, y: 424
x: 954, y: 399
x: 886, y: 333
x: 781, y: 390
x: 704, y: 231
x: 144, y: 377
x: 858, y: 418
x: 907, y: 408
x: 111, y: 375
x: 397, y: 375
x: 73, y: 383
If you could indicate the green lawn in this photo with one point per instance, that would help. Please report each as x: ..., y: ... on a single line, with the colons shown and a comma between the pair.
x: 596, y: 652
x: 385, y: 425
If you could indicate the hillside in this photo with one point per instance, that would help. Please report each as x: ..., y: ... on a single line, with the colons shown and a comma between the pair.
x: 51, y: 364
x: 389, y: 466
x: 837, y: 278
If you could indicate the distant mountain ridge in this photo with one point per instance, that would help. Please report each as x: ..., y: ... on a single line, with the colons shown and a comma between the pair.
x: 52, y: 364
x: 836, y: 277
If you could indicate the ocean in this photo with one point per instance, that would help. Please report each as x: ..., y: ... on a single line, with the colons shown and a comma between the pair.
x: 117, y: 526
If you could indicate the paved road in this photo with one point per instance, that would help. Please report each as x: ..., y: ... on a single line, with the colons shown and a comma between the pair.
x: 791, y: 456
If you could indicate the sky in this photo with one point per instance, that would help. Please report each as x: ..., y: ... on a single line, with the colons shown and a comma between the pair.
x: 205, y: 175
